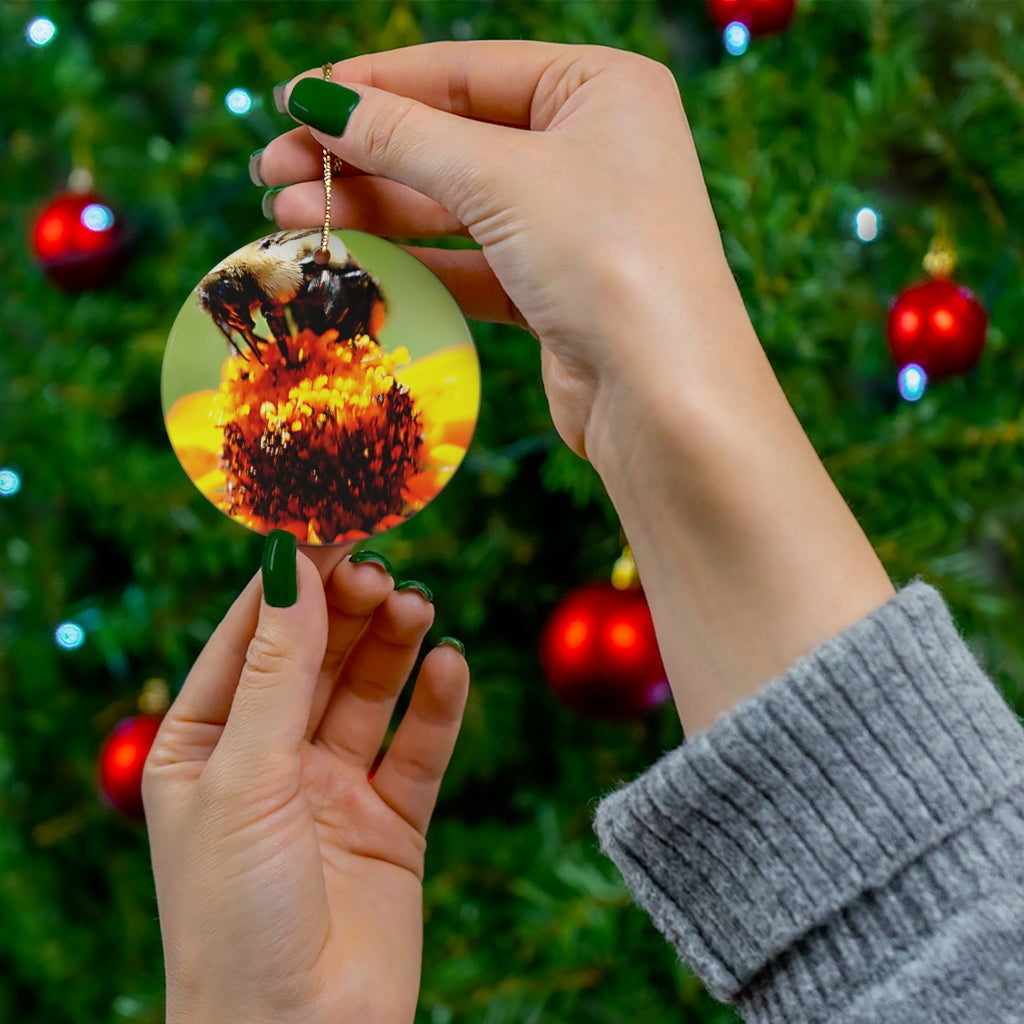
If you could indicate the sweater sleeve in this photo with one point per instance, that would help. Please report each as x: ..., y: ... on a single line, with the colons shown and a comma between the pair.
x: 847, y: 845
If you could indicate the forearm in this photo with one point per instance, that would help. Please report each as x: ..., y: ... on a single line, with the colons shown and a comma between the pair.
x: 747, y: 552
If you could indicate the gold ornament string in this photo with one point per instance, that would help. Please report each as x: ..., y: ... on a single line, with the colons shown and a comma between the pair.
x: 323, y: 255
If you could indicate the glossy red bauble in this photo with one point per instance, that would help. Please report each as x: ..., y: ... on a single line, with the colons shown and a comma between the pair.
x: 122, y: 758
x: 79, y: 241
x: 939, y: 325
x: 760, y: 16
x: 600, y: 654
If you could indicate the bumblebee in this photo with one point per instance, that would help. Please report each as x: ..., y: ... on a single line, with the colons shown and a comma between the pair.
x: 278, y: 277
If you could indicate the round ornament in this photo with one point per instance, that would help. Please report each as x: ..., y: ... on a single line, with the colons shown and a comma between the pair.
x: 938, y: 325
x: 121, y: 760
x: 761, y: 17
x: 600, y: 654
x: 333, y: 397
x: 79, y: 241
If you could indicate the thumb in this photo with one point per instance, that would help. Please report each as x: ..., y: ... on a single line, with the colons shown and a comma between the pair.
x: 271, y: 706
x: 437, y: 153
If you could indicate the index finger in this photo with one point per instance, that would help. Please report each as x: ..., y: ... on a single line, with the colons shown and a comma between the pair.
x: 487, y: 80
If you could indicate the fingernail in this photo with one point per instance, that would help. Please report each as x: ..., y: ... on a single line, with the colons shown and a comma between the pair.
x: 374, y: 557
x: 280, y: 583
x: 450, y: 641
x: 421, y: 588
x: 279, y: 97
x: 322, y: 105
x: 267, y: 203
x: 254, y: 169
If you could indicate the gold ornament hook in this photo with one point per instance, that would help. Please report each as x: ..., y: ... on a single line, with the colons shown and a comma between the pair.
x: 624, y: 574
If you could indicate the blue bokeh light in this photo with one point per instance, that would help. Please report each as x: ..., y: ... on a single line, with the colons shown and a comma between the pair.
x: 736, y: 38
x: 912, y: 382
x: 10, y: 482
x: 69, y: 635
x: 40, y: 31
x: 867, y: 224
x: 238, y: 101
x: 97, y: 217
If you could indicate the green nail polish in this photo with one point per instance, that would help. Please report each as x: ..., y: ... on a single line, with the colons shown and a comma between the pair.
x: 267, y: 203
x: 254, y: 169
x: 372, y: 556
x: 421, y: 588
x: 450, y: 641
x: 322, y: 105
x: 280, y: 583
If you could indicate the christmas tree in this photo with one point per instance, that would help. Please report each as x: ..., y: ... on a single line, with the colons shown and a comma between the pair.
x: 837, y: 150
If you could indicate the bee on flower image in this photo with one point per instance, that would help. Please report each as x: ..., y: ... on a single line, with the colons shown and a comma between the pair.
x: 331, y: 399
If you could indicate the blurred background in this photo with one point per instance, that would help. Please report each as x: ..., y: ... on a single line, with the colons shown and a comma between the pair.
x: 843, y: 143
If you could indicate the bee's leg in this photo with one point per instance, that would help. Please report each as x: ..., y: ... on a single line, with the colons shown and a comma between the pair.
x: 234, y: 348
x: 278, y: 324
x: 239, y: 330
x: 253, y: 341
x: 225, y: 327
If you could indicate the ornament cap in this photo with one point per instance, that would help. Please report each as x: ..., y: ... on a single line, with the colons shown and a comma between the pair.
x: 80, y: 180
x: 624, y: 574
x: 155, y: 697
x: 940, y: 260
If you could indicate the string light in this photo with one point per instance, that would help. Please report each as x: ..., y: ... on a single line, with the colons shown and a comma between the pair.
x: 70, y: 636
x: 97, y: 217
x: 40, y: 31
x: 10, y: 482
x: 867, y: 224
x: 912, y: 382
x: 238, y: 101
x: 736, y: 38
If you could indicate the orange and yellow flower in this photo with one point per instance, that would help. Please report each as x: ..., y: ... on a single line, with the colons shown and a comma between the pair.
x: 345, y: 442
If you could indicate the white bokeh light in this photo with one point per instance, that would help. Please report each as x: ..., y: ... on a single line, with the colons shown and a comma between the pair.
x: 912, y: 382
x: 867, y: 224
x: 10, y: 482
x: 97, y: 217
x: 40, y: 31
x: 736, y: 38
x: 69, y: 635
x: 238, y: 101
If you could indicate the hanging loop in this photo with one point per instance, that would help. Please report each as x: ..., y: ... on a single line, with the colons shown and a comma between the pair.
x: 323, y: 255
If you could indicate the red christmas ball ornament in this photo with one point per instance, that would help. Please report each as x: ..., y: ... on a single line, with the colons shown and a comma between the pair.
x: 79, y: 241
x: 761, y: 17
x: 121, y: 760
x: 939, y: 325
x: 600, y: 654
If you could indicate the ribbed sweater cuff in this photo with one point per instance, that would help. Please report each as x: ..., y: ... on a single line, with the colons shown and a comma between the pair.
x: 825, y: 826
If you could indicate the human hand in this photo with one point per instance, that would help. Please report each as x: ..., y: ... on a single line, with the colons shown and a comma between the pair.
x: 575, y: 170
x: 595, y: 227
x: 288, y: 880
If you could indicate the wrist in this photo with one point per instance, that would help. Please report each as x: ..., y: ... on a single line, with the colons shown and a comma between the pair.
x: 748, y: 554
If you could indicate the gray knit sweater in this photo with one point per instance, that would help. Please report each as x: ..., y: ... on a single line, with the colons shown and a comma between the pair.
x: 848, y: 846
